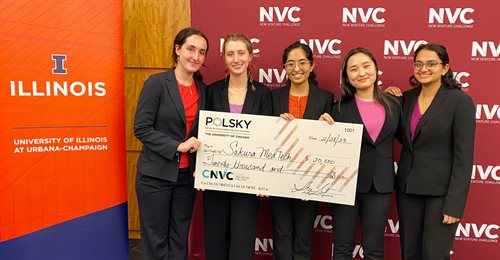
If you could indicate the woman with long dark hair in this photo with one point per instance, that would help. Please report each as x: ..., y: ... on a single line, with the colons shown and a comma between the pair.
x: 363, y: 102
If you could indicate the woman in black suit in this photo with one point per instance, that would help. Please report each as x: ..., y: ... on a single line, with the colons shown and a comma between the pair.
x: 364, y: 103
x: 293, y: 219
x: 434, y: 173
x: 231, y: 218
x: 166, y: 122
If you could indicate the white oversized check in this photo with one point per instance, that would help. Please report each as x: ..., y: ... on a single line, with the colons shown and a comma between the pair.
x: 304, y: 159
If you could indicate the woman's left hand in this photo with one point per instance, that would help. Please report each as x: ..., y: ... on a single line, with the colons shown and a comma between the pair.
x: 449, y: 219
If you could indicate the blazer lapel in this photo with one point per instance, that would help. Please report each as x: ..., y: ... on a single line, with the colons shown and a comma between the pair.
x: 385, y: 127
x: 409, y: 104
x: 249, y: 100
x: 175, y: 95
x: 225, y: 97
x: 313, y: 95
x: 436, y: 103
x: 284, y: 96
x: 356, y: 118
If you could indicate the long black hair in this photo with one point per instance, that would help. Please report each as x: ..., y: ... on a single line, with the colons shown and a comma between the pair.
x: 180, y: 39
x: 309, y: 56
x: 447, y: 79
x: 348, y: 91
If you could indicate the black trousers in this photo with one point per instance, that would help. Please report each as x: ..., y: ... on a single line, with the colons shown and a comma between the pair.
x: 293, y: 223
x: 372, y: 208
x: 230, y: 225
x: 422, y: 233
x: 165, y: 210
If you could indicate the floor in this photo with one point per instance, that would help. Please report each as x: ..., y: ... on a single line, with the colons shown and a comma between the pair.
x: 135, y: 249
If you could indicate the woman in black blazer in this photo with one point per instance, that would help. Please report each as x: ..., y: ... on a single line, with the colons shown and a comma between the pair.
x: 293, y: 219
x: 434, y: 173
x: 231, y: 218
x: 364, y: 103
x: 166, y: 122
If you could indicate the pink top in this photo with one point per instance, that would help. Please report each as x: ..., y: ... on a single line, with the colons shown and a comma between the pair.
x: 415, y: 119
x: 373, y: 116
x: 235, y: 108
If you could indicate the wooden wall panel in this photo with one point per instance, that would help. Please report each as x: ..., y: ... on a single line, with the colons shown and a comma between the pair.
x: 150, y: 27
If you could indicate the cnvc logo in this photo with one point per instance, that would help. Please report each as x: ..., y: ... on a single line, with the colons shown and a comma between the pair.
x: 269, y: 14
x: 264, y: 245
x: 366, y: 15
x: 254, y: 42
x: 323, y: 221
x: 321, y: 46
x: 222, y: 175
x: 451, y: 16
x: 487, y: 111
x: 407, y: 47
x: 473, y: 230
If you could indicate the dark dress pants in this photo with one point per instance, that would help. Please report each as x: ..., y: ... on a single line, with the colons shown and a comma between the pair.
x: 422, y: 233
x: 165, y: 210
x: 373, y: 210
x: 293, y: 223
x: 230, y: 225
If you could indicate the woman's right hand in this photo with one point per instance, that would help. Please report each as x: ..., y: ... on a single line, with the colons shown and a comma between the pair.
x: 326, y: 117
x: 190, y: 145
x: 287, y: 116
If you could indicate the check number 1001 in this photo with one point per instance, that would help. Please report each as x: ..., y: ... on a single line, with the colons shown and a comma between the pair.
x: 349, y: 130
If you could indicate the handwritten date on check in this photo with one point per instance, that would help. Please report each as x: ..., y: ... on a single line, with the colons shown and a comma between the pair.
x: 302, y: 159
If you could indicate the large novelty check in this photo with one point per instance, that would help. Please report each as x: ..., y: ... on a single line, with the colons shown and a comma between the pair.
x: 304, y: 159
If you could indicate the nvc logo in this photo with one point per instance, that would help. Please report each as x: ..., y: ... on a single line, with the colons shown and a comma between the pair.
x: 269, y: 76
x: 281, y: 14
x: 479, y: 172
x: 489, y: 112
x: 459, y: 76
x: 450, y: 15
x: 321, y: 46
x: 323, y: 221
x: 254, y: 42
x: 483, y: 48
x: 264, y: 245
x: 407, y: 47
x: 366, y: 15
x: 473, y: 230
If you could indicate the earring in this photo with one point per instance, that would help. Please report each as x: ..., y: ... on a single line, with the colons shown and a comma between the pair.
x: 225, y: 74
x: 178, y: 58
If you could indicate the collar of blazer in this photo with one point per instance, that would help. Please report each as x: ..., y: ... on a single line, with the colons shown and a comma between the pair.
x: 284, y: 98
x: 436, y: 103
x: 175, y: 95
x: 249, y: 97
x: 352, y: 112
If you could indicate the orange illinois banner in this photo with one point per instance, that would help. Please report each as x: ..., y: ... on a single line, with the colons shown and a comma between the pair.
x: 62, y: 146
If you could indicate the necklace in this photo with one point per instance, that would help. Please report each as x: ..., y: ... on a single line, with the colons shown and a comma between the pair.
x: 188, y: 87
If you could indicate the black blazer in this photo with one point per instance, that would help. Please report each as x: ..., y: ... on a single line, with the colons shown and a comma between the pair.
x: 257, y: 102
x: 318, y: 102
x: 160, y: 124
x: 376, y: 163
x: 438, y: 162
